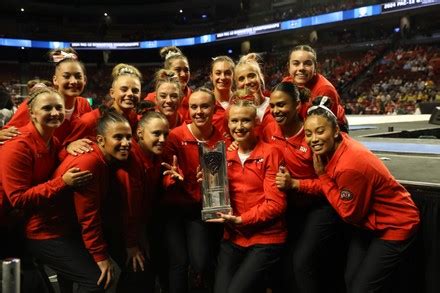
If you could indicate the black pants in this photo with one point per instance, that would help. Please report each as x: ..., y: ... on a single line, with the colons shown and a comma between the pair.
x: 188, y: 244
x: 243, y: 269
x: 157, y: 248
x: 70, y: 259
x: 371, y: 261
x: 315, y: 253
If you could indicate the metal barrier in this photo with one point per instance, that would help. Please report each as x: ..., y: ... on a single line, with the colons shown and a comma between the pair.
x: 11, y: 275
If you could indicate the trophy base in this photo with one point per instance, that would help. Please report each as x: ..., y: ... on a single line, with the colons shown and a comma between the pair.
x: 211, y: 213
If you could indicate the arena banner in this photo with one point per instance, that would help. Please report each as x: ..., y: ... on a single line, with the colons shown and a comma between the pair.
x: 316, y: 20
x: 406, y: 4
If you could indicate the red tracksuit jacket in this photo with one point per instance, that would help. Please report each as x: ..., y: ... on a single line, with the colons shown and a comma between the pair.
x: 139, y: 181
x: 88, y: 200
x: 183, y: 144
x: 22, y: 117
x: 320, y: 86
x: 364, y: 193
x: 220, y: 121
x: 298, y: 159
x: 86, y: 125
x: 26, y: 167
x: 256, y: 198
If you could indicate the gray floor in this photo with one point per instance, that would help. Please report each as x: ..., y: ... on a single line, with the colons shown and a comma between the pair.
x: 409, y: 159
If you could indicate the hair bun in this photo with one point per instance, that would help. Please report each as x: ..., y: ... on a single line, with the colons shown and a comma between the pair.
x: 125, y: 69
x: 60, y: 55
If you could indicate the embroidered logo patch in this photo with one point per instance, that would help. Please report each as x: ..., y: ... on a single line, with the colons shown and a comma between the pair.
x: 346, y: 195
x: 303, y: 149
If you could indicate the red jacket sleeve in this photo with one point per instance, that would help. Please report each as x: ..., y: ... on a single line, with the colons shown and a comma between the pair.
x: 87, y: 201
x: 17, y: 162
x: 21, y: 117
x: 350, y: 194
x: 310, y: 187
x: 274, y: 204
x: 130, y: 186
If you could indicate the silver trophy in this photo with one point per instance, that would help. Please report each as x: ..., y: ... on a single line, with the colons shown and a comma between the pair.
x: 215, y: 187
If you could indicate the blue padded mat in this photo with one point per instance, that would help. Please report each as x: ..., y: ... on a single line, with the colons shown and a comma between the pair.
x: 395, y: 147
x: 361, y: 127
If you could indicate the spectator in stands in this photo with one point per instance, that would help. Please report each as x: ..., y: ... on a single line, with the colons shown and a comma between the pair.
x: 6, y: 108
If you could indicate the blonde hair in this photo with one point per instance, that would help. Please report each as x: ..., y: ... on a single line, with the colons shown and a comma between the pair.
x: 253, y: 61
x: 243, y: 103
x: 37, y: 92
x: 165, y: 73
x: 33, y: 82
x: 123, y: 69
x: 172, y: 80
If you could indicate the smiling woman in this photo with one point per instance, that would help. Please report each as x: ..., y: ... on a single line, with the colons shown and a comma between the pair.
x: 69, y: 79
x: 312, y: 223
x: 249, y: 77
x: 26, y: 167
x: 255, y: 232
x: 138, y: 183
x: 303, y: 72
x: 222, y: 78
x: 363, y: 192
x: 86, y: 262
x: 125, y: 93
x: 169, y: 98
x: 187, y: 236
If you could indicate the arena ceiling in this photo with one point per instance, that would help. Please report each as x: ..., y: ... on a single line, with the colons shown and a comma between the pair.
x: 127, y: 8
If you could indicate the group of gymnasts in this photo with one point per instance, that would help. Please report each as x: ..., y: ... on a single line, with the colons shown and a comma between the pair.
x: 84, y: 190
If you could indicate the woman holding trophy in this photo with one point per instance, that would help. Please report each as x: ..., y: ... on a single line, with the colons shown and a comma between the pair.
x: 255, y: 231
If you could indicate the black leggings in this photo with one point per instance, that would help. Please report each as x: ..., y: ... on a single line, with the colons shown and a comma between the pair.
x: 371, y: 261
x: 314, y: 246
x: 243, y: 269
x: 188, y: 244
x: 70, y: 260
